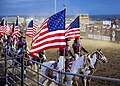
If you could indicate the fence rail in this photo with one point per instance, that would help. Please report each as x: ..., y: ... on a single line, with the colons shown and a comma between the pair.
x: 100, y: 33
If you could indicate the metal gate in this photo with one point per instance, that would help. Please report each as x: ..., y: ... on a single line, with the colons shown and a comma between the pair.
x: 12, y: 72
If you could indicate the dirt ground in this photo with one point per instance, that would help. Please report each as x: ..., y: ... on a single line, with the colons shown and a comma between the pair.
x: 110, y: 69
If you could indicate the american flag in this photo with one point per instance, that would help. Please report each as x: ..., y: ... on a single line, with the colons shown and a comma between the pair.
x: 1, y: 31
x: 35, y: 26
x: 51, y: 34
x: 12, y: 26
x: 2, y: 27
x: 73, y: 30
x: 31, y: 30
x: 7, y: 29
x: 17, y: 32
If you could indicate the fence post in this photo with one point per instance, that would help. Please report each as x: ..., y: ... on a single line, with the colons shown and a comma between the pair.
x: 60, y: 78
x: 13, y: 63
x: 38, y: 71
x: 22, y: 70
x: 6, y: 66
x: 86, y: 32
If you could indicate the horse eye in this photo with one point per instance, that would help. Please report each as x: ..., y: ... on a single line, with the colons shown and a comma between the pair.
x: 101, y: 53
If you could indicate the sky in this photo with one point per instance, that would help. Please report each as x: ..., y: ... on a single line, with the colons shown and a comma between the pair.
x: 47, y: 7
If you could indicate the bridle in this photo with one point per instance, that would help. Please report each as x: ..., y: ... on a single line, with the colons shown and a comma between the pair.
x: 100, y: 56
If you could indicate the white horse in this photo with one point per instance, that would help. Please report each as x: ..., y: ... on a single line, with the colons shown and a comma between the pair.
x: 95, y: 57
x: 80, y: 63
x: 54, y: 65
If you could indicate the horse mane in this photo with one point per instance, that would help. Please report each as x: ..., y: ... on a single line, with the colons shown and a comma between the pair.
x: 93, y: 53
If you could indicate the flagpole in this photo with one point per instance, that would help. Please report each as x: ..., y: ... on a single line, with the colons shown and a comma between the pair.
x: 79, y: 38
x: 64, y: 6
x: 64, y: 50
x: 55, y: 6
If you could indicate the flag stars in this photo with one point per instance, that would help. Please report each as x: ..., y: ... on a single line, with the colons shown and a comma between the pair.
x: 75, y: 23
x: 56, y: 22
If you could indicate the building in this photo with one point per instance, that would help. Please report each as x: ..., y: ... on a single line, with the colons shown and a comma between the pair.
x: 84, y: 20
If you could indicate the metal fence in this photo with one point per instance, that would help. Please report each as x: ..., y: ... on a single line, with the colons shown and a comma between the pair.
x: 101, y: 33
x: 13, y: 71
x: 13, y: 74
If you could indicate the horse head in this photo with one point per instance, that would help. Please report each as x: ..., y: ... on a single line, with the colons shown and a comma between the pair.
x: 101, y: 56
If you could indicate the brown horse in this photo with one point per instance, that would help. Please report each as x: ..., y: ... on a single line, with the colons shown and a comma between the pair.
x: 48, y: 72
x: 57, y: 65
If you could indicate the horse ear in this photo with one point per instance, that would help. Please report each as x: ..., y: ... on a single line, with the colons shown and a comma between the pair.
x: 97, y: 49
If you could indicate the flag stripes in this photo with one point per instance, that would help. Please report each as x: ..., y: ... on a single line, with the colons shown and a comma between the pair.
x: 31, y: 30
x: 35, y: 26
x: 17, y: 32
